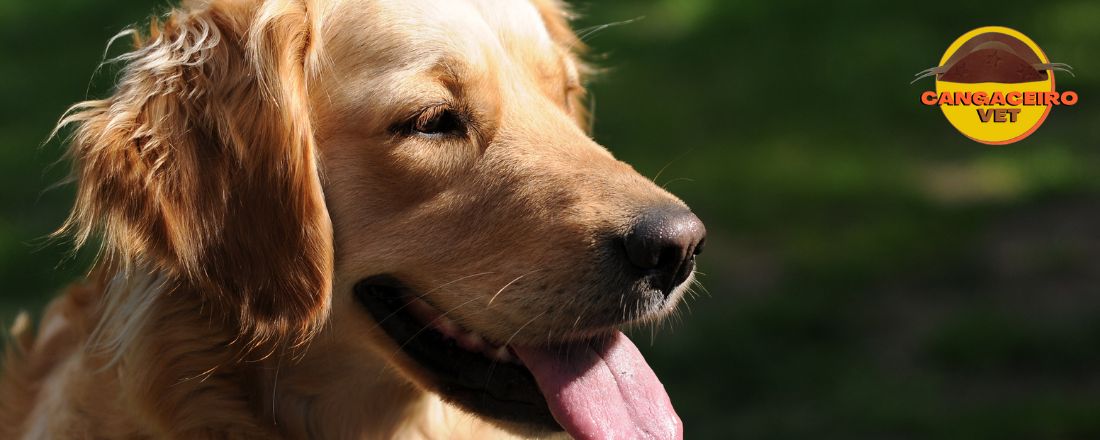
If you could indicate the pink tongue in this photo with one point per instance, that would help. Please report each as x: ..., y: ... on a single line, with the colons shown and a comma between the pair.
x: 603, y: 391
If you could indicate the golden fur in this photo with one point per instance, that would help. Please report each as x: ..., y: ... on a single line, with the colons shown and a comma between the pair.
x: 244, y: 175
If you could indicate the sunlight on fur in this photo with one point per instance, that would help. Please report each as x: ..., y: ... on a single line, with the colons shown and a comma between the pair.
x: 352, y: 219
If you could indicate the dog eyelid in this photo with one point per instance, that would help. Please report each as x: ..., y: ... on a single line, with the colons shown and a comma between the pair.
x: 433, y: 121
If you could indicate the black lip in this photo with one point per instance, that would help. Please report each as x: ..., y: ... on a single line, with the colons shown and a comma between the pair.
x: 501, y: 391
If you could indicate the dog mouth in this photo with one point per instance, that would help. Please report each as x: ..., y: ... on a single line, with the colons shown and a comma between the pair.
x: 467, y: 369
x: 592, y: 388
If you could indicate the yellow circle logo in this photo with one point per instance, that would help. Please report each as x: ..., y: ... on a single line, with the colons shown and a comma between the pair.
x: 995, y: 85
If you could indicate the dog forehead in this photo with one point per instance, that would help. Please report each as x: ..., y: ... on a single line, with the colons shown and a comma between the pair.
x: 515, y: 21
x: 428, y: 30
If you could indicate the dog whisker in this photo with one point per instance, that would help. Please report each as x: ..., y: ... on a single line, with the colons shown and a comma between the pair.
x: 578, y: 320
x: 701, y: 286
x: 686, y: 179
x: 678, y: 157
x: 584, y: 34
x: 494, y: 363
x: 422, y: 295
x: 509, y: 284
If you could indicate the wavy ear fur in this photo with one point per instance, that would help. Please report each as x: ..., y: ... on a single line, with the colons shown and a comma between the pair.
x: 201, y: 169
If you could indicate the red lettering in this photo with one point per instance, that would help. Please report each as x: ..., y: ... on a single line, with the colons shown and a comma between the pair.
x: 997, y: 99
x: 928, y: 98
x: 1069, y: 98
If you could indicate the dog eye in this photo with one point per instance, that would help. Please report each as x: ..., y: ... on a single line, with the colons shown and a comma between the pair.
x: 437, y: 121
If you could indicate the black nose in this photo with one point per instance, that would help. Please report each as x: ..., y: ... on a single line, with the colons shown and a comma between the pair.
x: 664, y: 242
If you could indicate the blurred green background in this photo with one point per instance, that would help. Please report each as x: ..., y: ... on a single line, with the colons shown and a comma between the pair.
x: 871, y: 273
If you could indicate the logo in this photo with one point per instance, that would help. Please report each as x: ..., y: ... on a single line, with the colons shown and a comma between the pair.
x: 995, y: 85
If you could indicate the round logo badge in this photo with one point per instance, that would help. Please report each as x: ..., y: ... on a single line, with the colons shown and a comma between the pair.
x: 995, y: 85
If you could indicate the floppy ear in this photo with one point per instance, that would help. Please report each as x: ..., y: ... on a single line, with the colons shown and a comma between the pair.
x: 201, y: 169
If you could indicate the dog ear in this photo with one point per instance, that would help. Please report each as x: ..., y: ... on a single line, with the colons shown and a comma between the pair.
x: 201, y: 168
x: 556, y: 16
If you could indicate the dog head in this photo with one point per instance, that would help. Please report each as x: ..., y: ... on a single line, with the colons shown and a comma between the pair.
x: 420, y: 169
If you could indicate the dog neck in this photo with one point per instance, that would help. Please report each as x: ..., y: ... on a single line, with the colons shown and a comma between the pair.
x: 171, y: 372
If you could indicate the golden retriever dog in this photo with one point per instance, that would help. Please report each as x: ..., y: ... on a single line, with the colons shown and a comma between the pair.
x: 336, y: 219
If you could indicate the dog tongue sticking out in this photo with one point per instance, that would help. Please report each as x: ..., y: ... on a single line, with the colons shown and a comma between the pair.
x: 603, y: 390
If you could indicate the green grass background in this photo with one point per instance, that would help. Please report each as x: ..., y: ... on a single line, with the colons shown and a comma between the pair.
x: 871, y: 273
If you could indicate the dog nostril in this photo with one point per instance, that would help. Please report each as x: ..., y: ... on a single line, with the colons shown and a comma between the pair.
x: 699, y: 247
x: 664, y: 242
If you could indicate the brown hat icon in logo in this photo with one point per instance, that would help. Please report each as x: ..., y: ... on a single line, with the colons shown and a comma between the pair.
x: 993, y: 57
